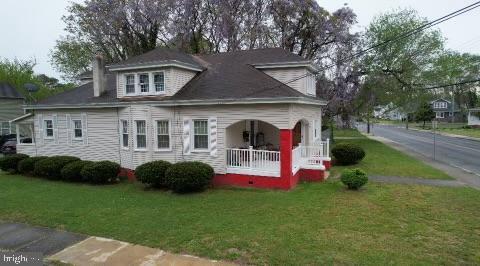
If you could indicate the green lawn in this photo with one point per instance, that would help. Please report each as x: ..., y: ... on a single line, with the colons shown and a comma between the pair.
x: 472, y: 132
x: 380, y: 159
x: 316, y: 223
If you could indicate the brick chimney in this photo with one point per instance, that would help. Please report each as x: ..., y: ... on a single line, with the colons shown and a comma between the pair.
x: 98, y: 75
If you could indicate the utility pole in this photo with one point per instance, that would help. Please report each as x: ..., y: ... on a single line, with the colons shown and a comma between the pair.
x: 453, y: 104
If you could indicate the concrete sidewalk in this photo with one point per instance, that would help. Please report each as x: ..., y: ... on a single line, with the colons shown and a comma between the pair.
x: 76, y: 249
x: 103, y: 251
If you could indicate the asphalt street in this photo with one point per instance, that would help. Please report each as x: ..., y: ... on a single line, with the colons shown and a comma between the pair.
x: 24, y: 238
x: 457, y: 152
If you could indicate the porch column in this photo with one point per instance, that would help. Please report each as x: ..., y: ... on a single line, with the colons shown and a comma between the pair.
x: 286, y: 142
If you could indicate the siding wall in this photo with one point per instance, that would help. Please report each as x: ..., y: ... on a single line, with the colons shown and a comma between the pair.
x: 175, y: 79
x: 104, y: 132
x: 287, y: 74
x: 308, y: 113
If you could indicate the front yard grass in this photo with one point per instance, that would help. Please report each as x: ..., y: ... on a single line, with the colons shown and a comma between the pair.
x: 381, y: 159
x: 316, y: 223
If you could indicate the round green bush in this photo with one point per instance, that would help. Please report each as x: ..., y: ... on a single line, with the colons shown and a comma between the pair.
x: 51, y: 167
x: 354, y: 178
x: 9, y: 163
x: 189, y: 176
x: 103, y: 172
x: 346, y: 154
x: 153, y: 173
x: 71, y: 171
x: 27, y: 165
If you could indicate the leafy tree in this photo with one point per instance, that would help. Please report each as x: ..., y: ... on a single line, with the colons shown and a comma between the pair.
x: 424, y: 113
x: 17, y: 73
x: 401, y: 64
x: 71, y: 57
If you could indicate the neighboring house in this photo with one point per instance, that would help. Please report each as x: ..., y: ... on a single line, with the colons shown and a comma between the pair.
x: 85, y: 77
x: 389, y: 112
x: 444, y: 110
x: 252, y: 115
x: 11, y: 102
x: 474, y: 117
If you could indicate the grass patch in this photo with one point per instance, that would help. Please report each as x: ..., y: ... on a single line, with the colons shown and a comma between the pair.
x: 381, y: 159
x: 347, y: 133
x: 471, y: 132
x: 317, y: 223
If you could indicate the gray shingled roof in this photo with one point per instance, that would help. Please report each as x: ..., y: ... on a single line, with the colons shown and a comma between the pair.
x: 225, y: 76
x: 8, y: 91
x: 84, y: 94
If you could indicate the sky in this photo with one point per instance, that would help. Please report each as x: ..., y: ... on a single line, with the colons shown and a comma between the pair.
x: 31, y: 33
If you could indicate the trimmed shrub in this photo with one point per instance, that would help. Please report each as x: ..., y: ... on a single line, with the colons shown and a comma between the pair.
x: 153, y: 173
x: 27, y: 165
x: 189, y: 176
x: 9, y: 163
x: 51, y: 167
x: 346, y: 154
x: 71, y: 171
x: 103, y: 172
x: 354, y: 178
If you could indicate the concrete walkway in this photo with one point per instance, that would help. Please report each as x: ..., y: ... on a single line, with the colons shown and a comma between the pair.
x: 417, y: 181
x: 75, y: 249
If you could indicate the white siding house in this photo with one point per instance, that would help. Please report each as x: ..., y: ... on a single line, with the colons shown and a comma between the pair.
x: 256, y: 131
x: 474, y: 117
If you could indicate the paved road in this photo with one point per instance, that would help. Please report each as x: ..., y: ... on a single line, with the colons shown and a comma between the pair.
x: 457, y: 152
x: 22, y: 237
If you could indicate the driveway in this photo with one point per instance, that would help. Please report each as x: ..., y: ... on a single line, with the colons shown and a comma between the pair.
x: 457, y: 152
x: 23, y: 238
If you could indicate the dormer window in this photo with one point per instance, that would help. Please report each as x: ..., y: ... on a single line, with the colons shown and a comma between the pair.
x: 159, y: 82
x: 130, y: 84
x: 144, y: 82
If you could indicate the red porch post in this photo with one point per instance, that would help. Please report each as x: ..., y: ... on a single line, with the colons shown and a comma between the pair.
x: 286, y: 144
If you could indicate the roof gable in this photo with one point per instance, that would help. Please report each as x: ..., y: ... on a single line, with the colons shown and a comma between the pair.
x: 8, y: 91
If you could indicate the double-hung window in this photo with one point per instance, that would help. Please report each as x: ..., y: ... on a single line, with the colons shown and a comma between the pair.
x: 141, y: 134
x: 77, y: 129
x: 48, y: 124
x: 144, y: 82
x: 200, y: 134
x: 159, y: 82
x: 163, y: 134
x: 130, y: 84
x: 124, y: 125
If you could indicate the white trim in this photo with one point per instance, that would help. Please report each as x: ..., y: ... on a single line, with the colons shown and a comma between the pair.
x: 121, y: 134
x: 155, y: 132
x: 192, y: 136
x: 306, y: 64
x: 245, y: 101
x: 21, y: 117
x: 124, y: 76
x: 135, y: 148
x: 137, y: 86
x: 44, y: 128
x: 148, y: 65
x: 72, y: 120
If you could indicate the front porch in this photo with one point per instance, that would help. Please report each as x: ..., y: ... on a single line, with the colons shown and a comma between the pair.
x: 273, y: 158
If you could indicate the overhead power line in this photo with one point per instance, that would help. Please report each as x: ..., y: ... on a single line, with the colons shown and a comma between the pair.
x: 452, y: 84
x: 397, y: 38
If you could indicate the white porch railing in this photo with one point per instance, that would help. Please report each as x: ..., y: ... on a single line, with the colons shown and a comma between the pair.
x: 312, y: 155
x: 253, y: 162
x: 296, y: 158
